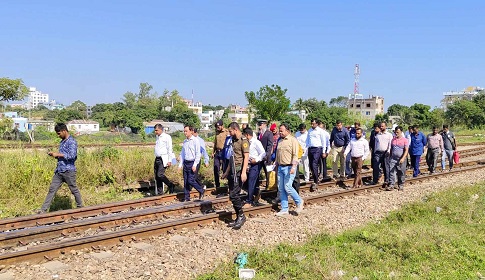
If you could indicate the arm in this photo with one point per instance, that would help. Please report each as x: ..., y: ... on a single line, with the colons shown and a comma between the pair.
x: 197, y: 154
x: 70, y: 151
x: 294, y: 155
x: 366, y: 150
x: 332, y: 136
x: 169, y: 150
x: 182, y: 157
x: 261, y: 151
x: 347, y: 150
x: 405, y: 154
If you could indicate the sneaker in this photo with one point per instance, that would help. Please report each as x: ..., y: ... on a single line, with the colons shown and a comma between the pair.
x: 39, y: 211
x: 313, y: 187
x: 282, y: 213
x: 299, y: 208
x: 389, y: 188
x: 400, y: 188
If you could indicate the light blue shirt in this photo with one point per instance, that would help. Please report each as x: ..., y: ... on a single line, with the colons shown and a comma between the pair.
x: 203, y: 151
x: 190, y: 151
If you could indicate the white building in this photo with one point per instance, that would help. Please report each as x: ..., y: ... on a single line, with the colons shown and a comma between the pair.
x: 453, y: 96
x: 208, y: 118
x: 83, y: 126
x: 196, y: 107
x: 36, y: 97
x: 367, y: 107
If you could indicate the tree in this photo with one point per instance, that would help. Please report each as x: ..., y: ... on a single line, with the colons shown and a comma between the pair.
x: 420, y: 113
x: 68, y: 115
x: 465, y: 112
x: 339, y: 101
x: 292, y: 120
x: 12, y: 89
x: 270, y: 102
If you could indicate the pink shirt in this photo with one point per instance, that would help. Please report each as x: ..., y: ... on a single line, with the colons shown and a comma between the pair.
x: 397, y: 146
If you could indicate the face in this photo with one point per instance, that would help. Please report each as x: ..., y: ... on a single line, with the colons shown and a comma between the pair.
x: 358, y: 134
x: 283, y: 131
x: 232, y: 131
x: 382, y: 126
x: 219, y: 127
x: 314, y: 124
x: 62, y: 134
x: 398, y: 132
x: 187, y: 132
x: 445, y: 129
x: 158, y: 131
x: 435, y: 130
x: 356, y: 125
x: 339, y: 126
x: 415, y: 130
x: 377, y: 129
x: 262, y: 126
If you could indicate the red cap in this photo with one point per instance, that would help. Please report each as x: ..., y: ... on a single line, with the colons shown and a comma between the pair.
x: 272, y: 127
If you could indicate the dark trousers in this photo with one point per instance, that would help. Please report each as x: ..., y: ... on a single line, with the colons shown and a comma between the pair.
x: 60, y: 177
x: 432, y: 156
x: 323, y: 168
x: 235, y: 191
x: 348, y: 165
x: 160, y: 177
x: 296, y: 182
x: 314, y: 156
x: 397, y: 172
x: 197, y: 176
x: 415, y: 159
x: 189, y: 180
x: 380, y: 159
x: 266, y: 174
x: 356, y: 163
x: 218, y: 163
x: 253, y: 178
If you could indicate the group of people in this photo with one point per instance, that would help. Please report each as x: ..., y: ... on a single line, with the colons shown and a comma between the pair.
x: 239, y: 155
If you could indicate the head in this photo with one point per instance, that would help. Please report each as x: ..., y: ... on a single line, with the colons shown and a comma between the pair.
x: 273, y: 128
x: 219, y: 125
x: 338, y: 125
x: 196, y: 132
x: 314, y: 123
x: 435, y: 130
x: 243, y: 126
x: 61, y: 130
x: 284, y: 130
x: 383, y: 126
x: 262, y: 125
x: 445, y: 128
x: 248, y: 133
x: 358, y: 133
x: 321, y: 125
x: 158, y: 128
x: 410, y: 129
x: 357, y: 125
x: 234, y: 129
x: 188, y: 131
x: 398, y: 131
x: 415, y: 129
x: 302, y: 128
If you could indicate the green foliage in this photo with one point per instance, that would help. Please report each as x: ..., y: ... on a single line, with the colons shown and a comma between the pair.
x: 270, y: 102
x: 292, y: 120
x: 339, y: 101
x: 12, y: 89
x: 413, y: 243
x: 63, y: 116
x: 420, y: 114
x: 467, y: 113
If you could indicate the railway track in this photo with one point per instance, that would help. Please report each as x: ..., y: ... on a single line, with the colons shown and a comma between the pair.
x: 163, y: 201
x: 156, y: 219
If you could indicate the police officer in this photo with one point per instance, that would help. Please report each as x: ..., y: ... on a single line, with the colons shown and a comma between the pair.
x: 236, y: 171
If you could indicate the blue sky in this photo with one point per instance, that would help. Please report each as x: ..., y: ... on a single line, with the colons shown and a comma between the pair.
x: 95, y: 51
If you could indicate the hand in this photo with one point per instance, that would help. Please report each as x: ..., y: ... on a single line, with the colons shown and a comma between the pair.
x: 243, y: 177
x: 194, y: 168
x: 253, y: 161
x: 169, y: 164
x: 324, y: 155
x: 206, y: 165
x: 292, y: 170
x: 180, y: 168
x: 401, y: 161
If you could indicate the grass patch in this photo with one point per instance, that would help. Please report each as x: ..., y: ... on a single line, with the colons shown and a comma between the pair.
x: 416, y: 242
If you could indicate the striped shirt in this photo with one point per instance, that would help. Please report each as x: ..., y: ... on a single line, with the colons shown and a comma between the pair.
x: 435, y: 142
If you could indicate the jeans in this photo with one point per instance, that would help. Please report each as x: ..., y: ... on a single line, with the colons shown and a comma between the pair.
x: 447, y: 154
x: 285, y: 182
x: 397, y: 169
x: 70, y: 178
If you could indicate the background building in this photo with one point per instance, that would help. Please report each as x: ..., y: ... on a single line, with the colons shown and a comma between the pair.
x: 83, y: 126
x: 36, y: 97
x: 453, y: 96
x: 367, y: 107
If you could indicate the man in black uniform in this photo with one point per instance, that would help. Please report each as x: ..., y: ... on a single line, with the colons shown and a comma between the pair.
x: 236, y: 172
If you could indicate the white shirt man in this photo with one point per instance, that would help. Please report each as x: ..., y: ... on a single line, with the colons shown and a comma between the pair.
x: 163, y: 158
x: 301, y: 135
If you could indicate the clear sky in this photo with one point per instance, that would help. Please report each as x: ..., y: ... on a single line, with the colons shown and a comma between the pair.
x: 408, y: 51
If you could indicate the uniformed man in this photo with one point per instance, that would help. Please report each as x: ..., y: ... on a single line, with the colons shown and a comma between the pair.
x: 236, y: 171
x: 217, y: 154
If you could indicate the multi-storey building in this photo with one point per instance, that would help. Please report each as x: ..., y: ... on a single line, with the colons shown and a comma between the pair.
x: 36, y: 97
x: 367, y: 107
x: 453, y: 96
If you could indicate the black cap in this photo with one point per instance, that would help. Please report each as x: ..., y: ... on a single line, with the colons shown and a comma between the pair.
x: 261, y: 121
x: 219, y: 122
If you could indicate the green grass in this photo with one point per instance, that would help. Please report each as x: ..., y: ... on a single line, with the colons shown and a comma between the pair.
x: 416, y: 242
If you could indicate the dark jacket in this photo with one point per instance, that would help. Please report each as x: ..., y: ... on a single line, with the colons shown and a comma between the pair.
x: 267, y: 141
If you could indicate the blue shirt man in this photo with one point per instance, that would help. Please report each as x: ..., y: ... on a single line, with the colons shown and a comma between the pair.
x: 65, y: 170
x: 189, y: 159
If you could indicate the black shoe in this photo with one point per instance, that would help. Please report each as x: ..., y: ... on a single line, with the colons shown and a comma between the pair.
x: 256, y: 204
x: 276, y: 200
x: 313, y: 187
x: 201, y: 195
x: 241, y: 219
